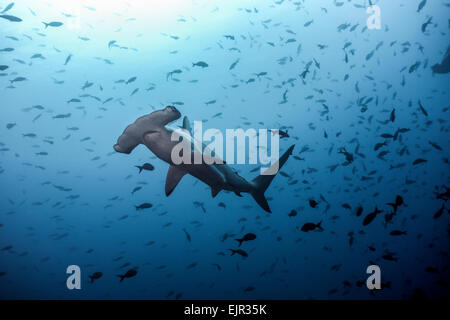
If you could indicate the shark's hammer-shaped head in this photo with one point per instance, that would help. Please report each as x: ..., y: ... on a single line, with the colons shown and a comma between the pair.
x: 133, y: 135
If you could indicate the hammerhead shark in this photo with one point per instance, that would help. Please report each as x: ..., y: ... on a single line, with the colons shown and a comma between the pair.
x: 151, y: 131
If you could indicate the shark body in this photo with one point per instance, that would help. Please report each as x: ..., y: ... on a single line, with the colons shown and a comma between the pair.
x: 151, y: 131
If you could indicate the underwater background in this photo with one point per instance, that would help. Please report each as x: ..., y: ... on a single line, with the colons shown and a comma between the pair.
x: 311, y: 68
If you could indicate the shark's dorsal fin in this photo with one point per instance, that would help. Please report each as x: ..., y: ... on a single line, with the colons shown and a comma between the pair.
x: 173, y: 177
x: 187, y: 125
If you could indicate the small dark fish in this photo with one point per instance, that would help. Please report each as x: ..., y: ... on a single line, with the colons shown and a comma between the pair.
x: 247, y: 237
x: 249, y: 288
x: 369, y: 218
x: 10, y: 18
x: 392, y: 117
x: 418, y: 161
x: 218, y: 267
x: 144, y: 206
x: 397, y: 233
x: 435, y: 145
x: 444, y: 195
x: 129, y: 274
x: 188, y: 236
x: 414, y: 67
x: 260, y: 74
x: 87, y: 84
x: 283, y: 134
x: 348, y: 156
x: 439, y: 212
x: 293, y: 213
x: 132, y: 79
x: 309, y: 226
x: 233, y: 65
x: 422, y: 109
x: 192, y: 265
x: 95, y: 276
x: 421, y: 5
x: 425, y: 25
x: 29, y: 135
x: 18, y: 79
x: 398, y: 202
x: 68, y: 59
x: 390, y: 257
x: 170, y: 74
x: 379, y: 145
x: 313, y: 203
x: 62, y: 116
x: 359, y: 211
x: 136, y: 189
x: 37, y: 56
x: 53, y: 24
x: 112, y: 43
x: 346, y: 206
x: 431, y: 270
x: 200, y: 205
x: 200, y: 64
x: 240, y: 252
x: 8, y: 7
x: 3, y: 67
x: 145, y: 166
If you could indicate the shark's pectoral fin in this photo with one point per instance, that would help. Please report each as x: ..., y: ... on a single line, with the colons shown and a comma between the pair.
x: 173, y: 177
x: 215, y: 191
x: 238, y: 194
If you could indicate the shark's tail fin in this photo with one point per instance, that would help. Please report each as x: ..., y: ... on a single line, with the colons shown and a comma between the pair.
x: 140, y: 168
x: 262, y: 182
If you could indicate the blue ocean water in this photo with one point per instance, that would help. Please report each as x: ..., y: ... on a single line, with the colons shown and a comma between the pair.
x: 69, y: 91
